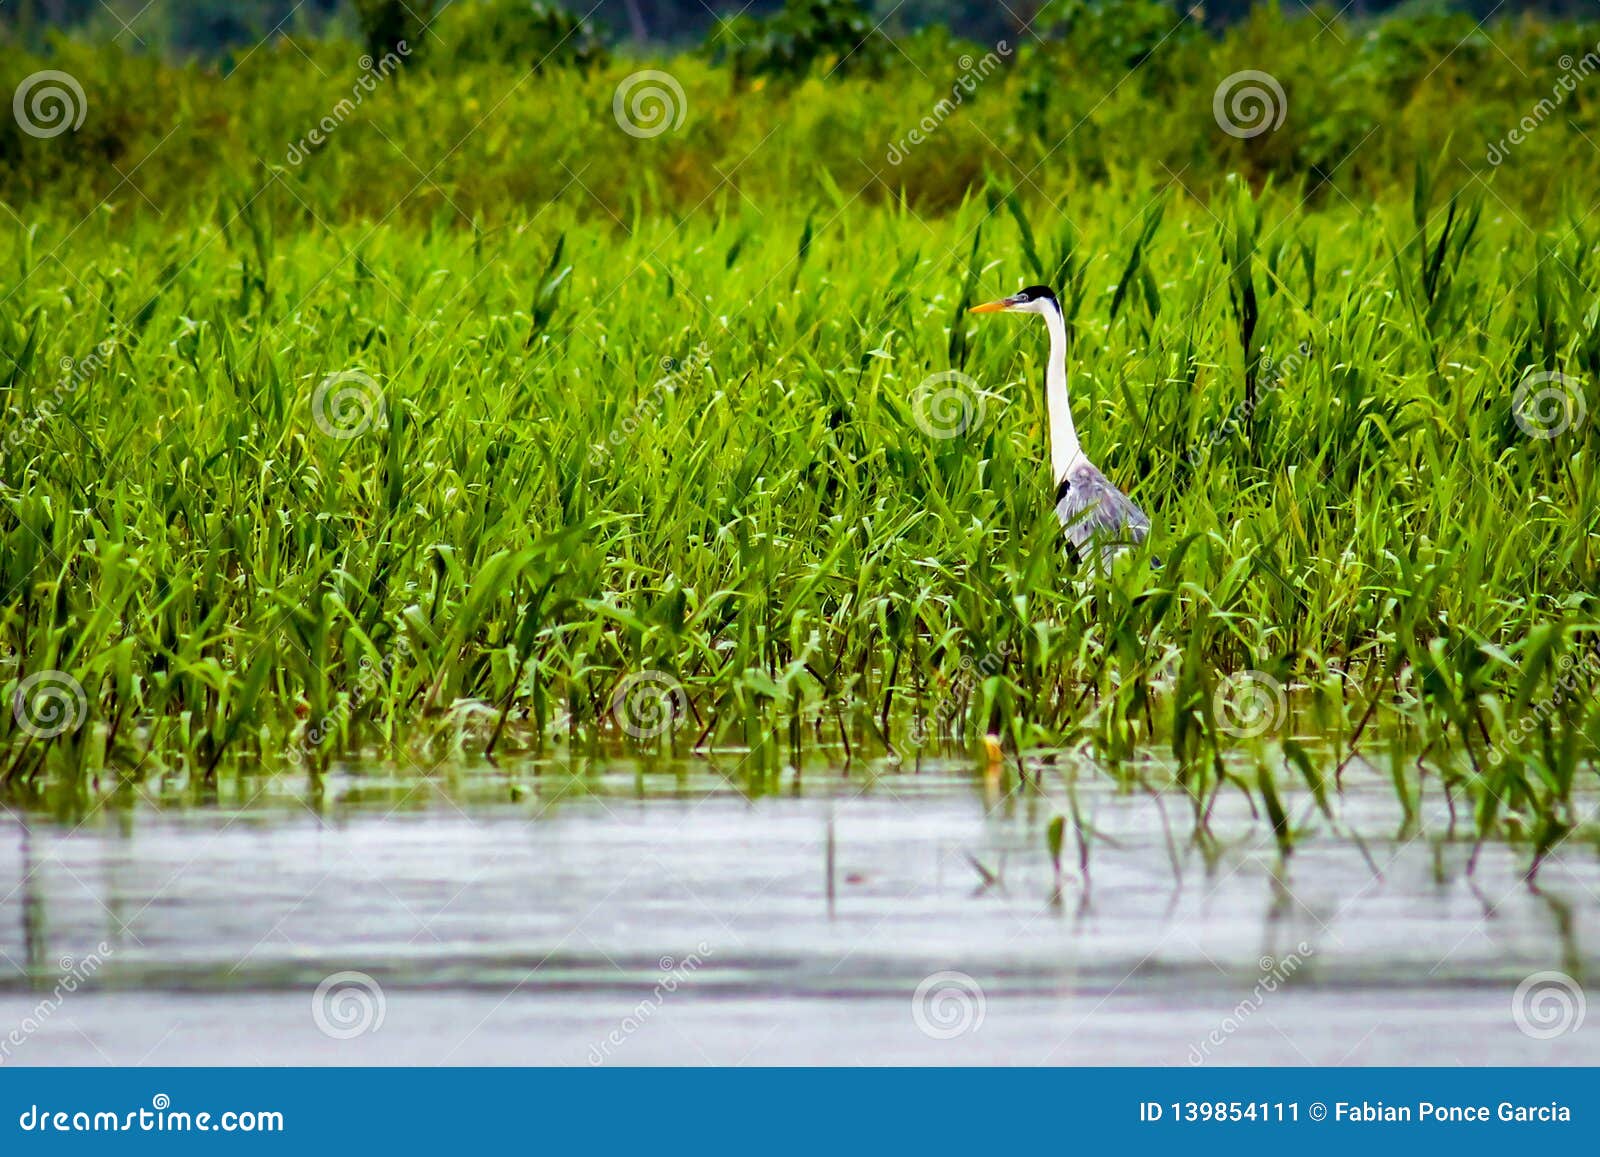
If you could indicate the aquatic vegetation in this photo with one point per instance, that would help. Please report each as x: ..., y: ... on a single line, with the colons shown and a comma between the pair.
x: 304, y: 465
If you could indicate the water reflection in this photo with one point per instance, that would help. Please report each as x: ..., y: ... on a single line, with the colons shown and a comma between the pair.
x: 506, y: 912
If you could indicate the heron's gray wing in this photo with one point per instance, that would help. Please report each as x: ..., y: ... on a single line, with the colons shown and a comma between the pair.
x: 1097, y: 517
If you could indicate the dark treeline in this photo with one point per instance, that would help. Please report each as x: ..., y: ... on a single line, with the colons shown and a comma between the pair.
x: 209, y: 26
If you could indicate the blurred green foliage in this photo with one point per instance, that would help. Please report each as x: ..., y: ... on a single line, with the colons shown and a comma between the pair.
x: 209, y: 27
x: 836, y: 35
x: 393, y: 25
x: 526, y: 34
x: 1100, y: 95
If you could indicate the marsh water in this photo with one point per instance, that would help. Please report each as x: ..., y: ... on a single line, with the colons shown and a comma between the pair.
x: 627, y: 913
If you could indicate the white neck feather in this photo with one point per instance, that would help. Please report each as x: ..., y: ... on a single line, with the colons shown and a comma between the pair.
x: 1064, y: 448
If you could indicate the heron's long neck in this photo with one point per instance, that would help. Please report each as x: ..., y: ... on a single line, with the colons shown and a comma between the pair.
x: 1064, y: 449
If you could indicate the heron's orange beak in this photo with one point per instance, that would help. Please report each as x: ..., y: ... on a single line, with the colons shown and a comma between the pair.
x: 1004, y: 303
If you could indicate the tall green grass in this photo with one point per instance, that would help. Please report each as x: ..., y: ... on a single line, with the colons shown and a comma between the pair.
x: 283, y: 481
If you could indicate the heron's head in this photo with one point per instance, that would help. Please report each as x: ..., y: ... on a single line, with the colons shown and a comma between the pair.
x: 1034, y: 299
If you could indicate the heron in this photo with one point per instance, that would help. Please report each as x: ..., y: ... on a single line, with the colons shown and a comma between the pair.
x: 1098, y: 519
